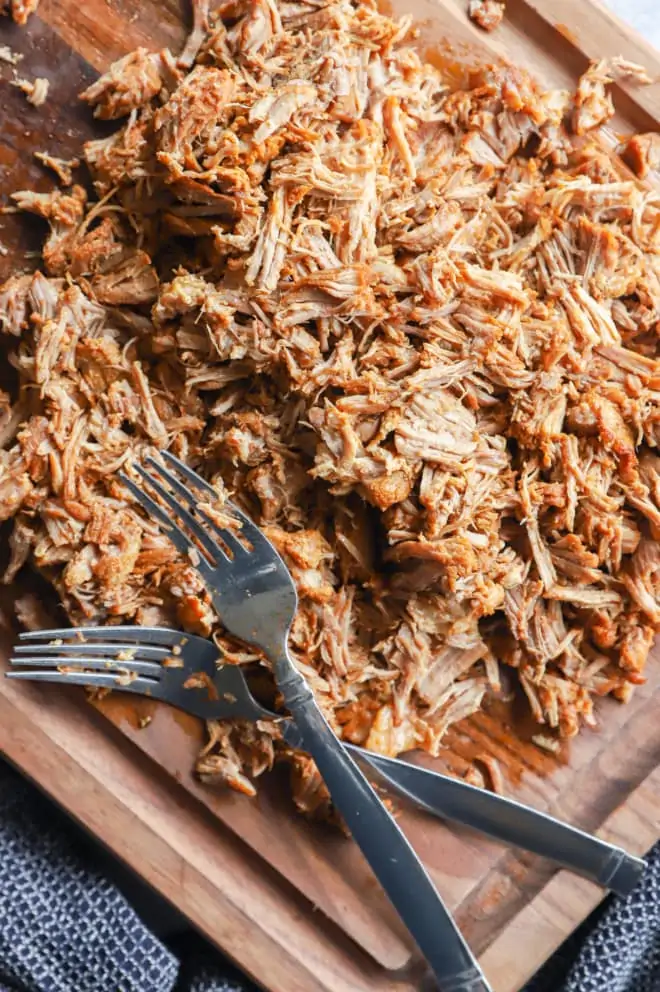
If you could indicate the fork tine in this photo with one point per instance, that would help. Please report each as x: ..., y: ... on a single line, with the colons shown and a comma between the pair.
x: 193, y: 477
x: 94, y: 680
x: 151, y: 668
x: 176, y: 535
x: 108, y: 650
x: 250, y: 531
x: 212, y: 549
x: 145, y: 635
x: 231, y: 540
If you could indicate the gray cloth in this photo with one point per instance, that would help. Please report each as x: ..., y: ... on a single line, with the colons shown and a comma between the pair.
x: 618, y: 950
x: 65, y: 927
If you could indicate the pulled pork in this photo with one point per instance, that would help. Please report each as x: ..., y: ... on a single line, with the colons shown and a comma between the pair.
x: 36, y: 90
x: 488, y: 14
x: 19, y: 10
x: 411, y: 330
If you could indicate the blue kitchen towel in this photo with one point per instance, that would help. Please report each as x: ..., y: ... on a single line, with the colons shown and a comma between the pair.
x: 618, y: 950
x: 65, y: 927
x: 203, y: 970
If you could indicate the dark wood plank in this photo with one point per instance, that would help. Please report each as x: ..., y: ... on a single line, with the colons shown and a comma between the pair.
x: 60, y: 126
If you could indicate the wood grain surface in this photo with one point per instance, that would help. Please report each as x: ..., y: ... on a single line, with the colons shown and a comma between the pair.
x: 182, y: 836
x: 155, y: 826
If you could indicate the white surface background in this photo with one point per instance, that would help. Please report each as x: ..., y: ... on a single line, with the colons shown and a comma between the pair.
x: 644, y: 15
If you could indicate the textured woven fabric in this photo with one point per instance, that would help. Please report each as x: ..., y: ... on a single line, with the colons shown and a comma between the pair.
x: 64, y: 927
x: 619, y: 948
x: 202, y: 969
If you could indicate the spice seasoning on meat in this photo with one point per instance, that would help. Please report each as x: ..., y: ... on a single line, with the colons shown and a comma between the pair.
x: 19, y: 10
x: 411, y: 330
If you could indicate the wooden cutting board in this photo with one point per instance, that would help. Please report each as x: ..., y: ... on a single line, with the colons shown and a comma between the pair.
x: 513, y: 909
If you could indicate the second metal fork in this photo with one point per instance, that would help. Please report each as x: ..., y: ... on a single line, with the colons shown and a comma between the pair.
x: 182, y: 670
x: 255, y: 597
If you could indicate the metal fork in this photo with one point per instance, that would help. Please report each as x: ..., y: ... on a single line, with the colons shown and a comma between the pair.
x: 255, y: 597
x: 164, y: 661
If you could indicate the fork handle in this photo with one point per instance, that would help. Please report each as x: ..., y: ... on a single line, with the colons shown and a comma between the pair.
x: 383, y: 844
x: 500, y: 818
x: 511, y: 822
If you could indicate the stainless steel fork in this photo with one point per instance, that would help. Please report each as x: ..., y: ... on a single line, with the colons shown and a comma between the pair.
x: 163, y: 664
x: 255, y: 597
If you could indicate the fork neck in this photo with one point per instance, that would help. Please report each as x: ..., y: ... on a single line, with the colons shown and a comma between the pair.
x: 293, y: 686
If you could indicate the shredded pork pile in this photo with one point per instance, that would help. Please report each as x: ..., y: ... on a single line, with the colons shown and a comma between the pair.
x: 411, y: 330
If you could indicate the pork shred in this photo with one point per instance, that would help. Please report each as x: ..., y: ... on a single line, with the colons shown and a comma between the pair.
x: 488, y: 14
x: 411, y: 329
x: 19, y: 10
x: 36, y: 90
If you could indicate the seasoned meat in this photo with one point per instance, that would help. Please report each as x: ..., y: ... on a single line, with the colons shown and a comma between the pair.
x: 36, y: 90
x: 128, y: 84
x: 20, y: 10
x: 593, y: 102
x: 411, y: 329
x: 6, y: 53
x: 63, y: 168
x: 487, y: 14
x: 642, y: 153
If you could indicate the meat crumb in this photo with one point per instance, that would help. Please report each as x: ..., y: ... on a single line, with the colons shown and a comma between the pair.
x: 593, y: 101
x: 200, y: 680
x: 547, y: 743
x: 474, y: 776
x: 631, y: 71
x: 172, y: 661
x: 36, y: 90
x: 7, y: 55
x: 642, y: 153
x: 62, y: 167
x: 494, y: 770
x: 488, y: 14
